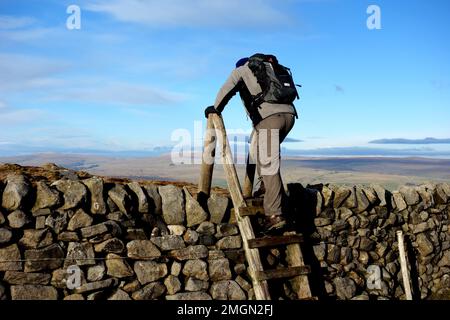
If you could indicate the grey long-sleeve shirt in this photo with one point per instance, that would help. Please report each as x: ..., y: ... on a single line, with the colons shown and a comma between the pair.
x: 243, y: 75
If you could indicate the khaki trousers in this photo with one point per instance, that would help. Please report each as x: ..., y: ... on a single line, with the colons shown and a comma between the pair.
x: 265, y: 148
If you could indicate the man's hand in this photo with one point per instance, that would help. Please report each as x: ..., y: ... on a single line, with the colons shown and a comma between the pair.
x: 210, y: 110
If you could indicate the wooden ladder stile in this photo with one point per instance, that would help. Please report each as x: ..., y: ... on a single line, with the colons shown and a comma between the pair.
x: 296, y: 270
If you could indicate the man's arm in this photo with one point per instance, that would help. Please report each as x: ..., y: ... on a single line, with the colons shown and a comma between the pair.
x: 228, y: 90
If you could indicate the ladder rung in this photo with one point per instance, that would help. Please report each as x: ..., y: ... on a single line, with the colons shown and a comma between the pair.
x: 282, y: 273
x: 274, y: 241
x: 250, y: 211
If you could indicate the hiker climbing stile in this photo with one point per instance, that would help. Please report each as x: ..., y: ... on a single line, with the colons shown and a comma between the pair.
x: 267, y: 91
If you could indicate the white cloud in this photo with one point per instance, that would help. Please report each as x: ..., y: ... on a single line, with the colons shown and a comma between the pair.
x: 194, y: 13
x: 9, y: 116
x: 11, y: 22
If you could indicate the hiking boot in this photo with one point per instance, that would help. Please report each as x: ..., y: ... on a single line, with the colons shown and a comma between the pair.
x: 275, y: 223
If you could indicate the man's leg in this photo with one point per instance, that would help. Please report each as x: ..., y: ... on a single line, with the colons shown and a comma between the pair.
x: 274, y: 128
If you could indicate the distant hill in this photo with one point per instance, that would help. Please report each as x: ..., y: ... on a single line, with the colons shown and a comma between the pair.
x: 389, y: 172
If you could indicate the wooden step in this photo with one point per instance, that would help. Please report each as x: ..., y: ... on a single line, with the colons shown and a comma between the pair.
x: 274, y: 241
x: 251, y: 211
x: 255, y: 202
x: 282, y: 273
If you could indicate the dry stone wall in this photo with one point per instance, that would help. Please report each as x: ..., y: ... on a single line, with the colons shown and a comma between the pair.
x: 68, y: 235
x: 352, y: 244
x: 83, y: 238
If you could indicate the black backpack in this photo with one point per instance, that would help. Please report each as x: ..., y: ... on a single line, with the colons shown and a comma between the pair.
x: 275, y: 80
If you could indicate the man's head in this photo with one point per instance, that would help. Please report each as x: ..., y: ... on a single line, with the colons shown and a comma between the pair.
x: 241, y: 62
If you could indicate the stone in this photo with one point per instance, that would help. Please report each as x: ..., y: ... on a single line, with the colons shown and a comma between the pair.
x: 410, y: 195
x: 132, y: 286
x: 98, y: 285
x: 117, y: 267
x: 322, y: 222
x: 197, y: 269
x: 68, y: 237
x: 135, y: 234
x: 421, y: 227
x: 120, y: 197
x: 11, y: 254
x: 95, y: 186
x: 333, y: 254
x: 154, y: 199
x: 79, y: 220
x: 22, y: 278
x: 113, y: 245
x: 320, y: 251
x: 206, y: 228
x: 172, y: 204
x: 175, y: 270
x: 173, y: 285
x: 57, y: 222
x: 119, y: 295
x: 366, y: 244
x: 36, y: 239
x: 195, y: 296
x: 49, y: 258
x: 327, y: 195
x: 40, y: 223
x: 190, y: 253
x: 399, y: 201
x: 96, y: 273
x: 217, y: 207
x: 5, y: 236
x: 244, y: 284
x: 361, y: 200
x: 445, y: 261
x: 167, y: 243
x: 33, y: 292
x: 381, y: 194
x: 149, y: 271
x: 215, y: 254
x: 227, y: 290
x: 351, y: 202
x: 345, y: 288
x: 74, y: 297
x: 219, y: 269
x: 195, y: 214
x: 443, y: 192
x: 191, y: 237
x: 142, y: 250
x: 16, y: 192
x: 344, y: 213
x: 341, y: 194
x: 371, y: 195
x: 74, y: 193
x: 231, y: 242
x: 140, y: 195
x: 226, y: 230
x: 2, y: 218
x: 176, y: 230
x: 46, y: 197
x: 80, y: 254
x: 95, y: 230
x: 207, y: 240
x: 196, y: 285
x: 17, y: 219
x: 424, y: 245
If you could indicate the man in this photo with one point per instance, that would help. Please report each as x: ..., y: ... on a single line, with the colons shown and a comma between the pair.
x: 271, y: 122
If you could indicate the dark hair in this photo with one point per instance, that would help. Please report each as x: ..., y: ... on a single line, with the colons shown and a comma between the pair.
x: 241, y: 62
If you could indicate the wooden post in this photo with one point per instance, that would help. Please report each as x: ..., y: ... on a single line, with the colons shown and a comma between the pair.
x: 249, y: 178
x: 209, y: 152
x: 253, y: 258
x: 404, y: 265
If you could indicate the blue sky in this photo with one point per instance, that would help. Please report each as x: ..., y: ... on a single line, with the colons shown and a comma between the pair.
x: 138, y: 70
